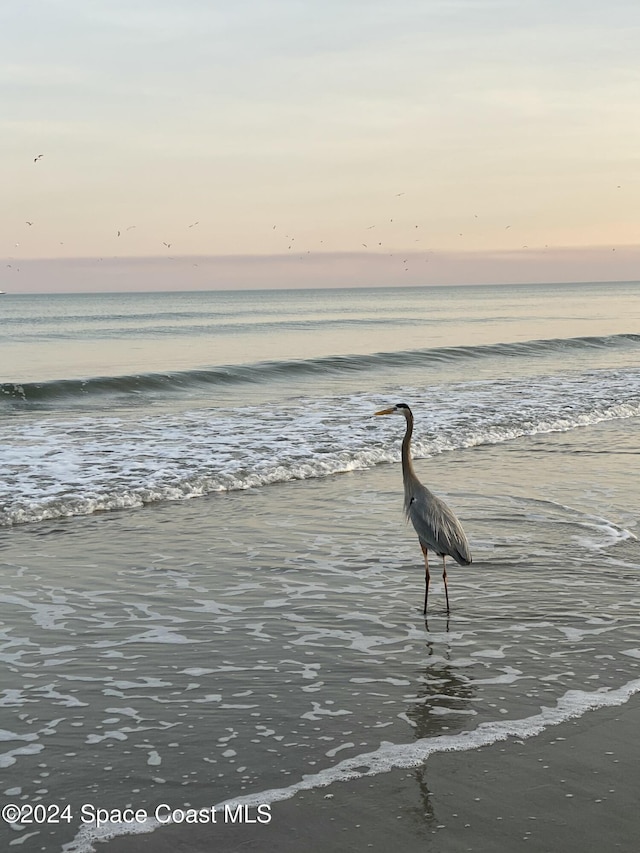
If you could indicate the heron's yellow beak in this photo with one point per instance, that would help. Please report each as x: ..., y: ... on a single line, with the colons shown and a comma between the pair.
x: 386, y: 411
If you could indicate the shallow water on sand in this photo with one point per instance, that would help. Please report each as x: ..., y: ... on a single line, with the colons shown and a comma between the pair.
x: 194, y: 652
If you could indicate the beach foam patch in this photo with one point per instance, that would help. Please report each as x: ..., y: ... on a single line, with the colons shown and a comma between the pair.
x: 66, y: 466
x: 391, y: 756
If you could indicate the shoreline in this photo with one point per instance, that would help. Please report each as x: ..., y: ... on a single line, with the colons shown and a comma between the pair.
x: 191, y: 628
x: 572, y: 787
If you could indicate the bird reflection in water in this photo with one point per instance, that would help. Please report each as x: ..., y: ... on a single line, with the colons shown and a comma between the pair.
x: 442, y: 687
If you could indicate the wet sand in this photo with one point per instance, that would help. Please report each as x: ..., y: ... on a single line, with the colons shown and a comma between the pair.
x: 573, y: 787
x: 159, y: 601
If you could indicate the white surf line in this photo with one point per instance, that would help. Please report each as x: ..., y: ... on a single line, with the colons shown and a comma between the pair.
x: 391, y: 756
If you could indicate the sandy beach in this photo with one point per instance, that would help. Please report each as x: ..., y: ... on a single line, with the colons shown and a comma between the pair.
x: 239, y: 658
x: 572, y: 788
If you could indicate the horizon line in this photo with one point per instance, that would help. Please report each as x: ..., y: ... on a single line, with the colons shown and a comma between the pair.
x: 337, y: 254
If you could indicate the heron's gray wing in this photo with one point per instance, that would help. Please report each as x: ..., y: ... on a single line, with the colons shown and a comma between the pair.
x: 437, y: 526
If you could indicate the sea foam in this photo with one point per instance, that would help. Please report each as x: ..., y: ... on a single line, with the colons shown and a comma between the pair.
x: 391, y: 756
x: 60, y: 467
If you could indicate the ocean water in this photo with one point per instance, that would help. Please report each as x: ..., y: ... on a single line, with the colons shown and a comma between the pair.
x: 208, y: 591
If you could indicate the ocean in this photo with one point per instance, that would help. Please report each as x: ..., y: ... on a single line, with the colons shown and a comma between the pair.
x: 209, y: 593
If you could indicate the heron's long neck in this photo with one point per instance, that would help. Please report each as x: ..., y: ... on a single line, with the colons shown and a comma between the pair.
x: 407, y: 465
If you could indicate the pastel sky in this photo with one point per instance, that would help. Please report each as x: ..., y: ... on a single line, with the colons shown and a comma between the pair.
x: 433, y: 138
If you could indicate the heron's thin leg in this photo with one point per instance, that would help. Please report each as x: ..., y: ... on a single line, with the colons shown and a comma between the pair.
x: 426, y: 578
x: 444, y: 578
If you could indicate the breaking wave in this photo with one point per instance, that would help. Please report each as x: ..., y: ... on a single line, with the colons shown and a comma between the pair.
x: 184, y: 381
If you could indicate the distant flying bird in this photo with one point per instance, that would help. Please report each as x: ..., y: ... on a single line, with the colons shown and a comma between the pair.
x: 29, y: 223
x: 35, y: 159
x: 118, y: 234
x: 168, y: 245
x: 399, y: 194
x: 193, y: 223
x: 129, y: 227
x: 435, y: 523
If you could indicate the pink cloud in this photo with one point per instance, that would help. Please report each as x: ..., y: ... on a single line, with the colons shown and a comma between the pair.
x: 339, y: 269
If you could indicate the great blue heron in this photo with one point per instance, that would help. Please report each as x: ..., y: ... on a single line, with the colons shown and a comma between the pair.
x: 435, y: 523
